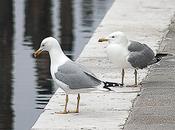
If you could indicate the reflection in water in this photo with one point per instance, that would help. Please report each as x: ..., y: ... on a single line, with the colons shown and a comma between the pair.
x: 37, y: 27
x: 87, y: 13
x: 6, y: 47
x: 66, y: 24
x: 37, y: 21
x: 25, y: 82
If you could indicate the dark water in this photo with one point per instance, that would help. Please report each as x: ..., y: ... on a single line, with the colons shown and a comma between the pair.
x: 25, y: 82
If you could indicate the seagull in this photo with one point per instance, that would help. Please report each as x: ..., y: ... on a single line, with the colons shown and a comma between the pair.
x: 70, y: 76
x: 125, y: 53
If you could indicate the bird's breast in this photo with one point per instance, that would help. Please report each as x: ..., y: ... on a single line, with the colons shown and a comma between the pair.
x: 118, y: 55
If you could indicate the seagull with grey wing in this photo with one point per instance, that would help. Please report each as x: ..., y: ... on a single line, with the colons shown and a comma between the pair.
x: 129, y: 54
x: 70, y: 76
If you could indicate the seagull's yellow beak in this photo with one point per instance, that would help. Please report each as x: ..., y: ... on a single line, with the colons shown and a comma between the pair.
x: 37, y: 53
x: 103, y: 40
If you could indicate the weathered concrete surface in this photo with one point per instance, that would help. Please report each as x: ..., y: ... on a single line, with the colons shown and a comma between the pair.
x: 154, y: 109
x: 98, y: 110
x: 142, y: 20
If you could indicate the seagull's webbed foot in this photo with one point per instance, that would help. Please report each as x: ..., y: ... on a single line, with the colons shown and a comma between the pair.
x: 64, y: 112
x: 73, y: 111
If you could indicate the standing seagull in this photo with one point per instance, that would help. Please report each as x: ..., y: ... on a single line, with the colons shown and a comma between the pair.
x: 125, y: 53
x: 72, y: 77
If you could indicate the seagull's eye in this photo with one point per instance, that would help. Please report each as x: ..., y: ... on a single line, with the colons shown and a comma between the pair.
x: 113, y: 36
x: 42, y: 45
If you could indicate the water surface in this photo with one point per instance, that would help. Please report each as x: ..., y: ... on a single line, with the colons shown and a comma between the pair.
x: 25, y: 82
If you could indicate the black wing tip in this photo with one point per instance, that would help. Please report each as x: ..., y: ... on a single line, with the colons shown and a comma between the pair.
x: 111, y: 84
x: 107, y: 88
x: 163, y: 54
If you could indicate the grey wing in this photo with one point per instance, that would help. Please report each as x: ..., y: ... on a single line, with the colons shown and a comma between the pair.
x: 85, y: 69
x: 141, y: 57
x: 136, y: 46
x: 75, y: 77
